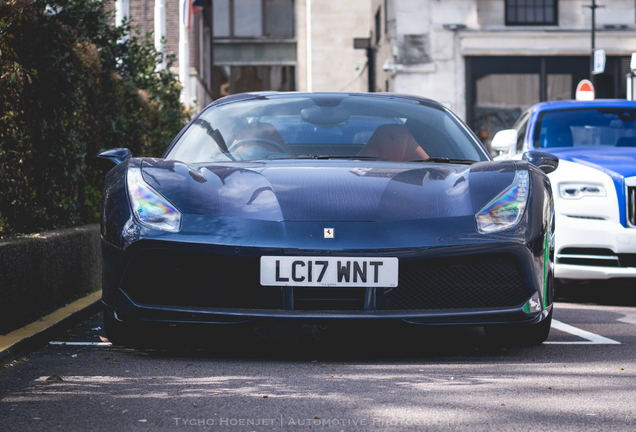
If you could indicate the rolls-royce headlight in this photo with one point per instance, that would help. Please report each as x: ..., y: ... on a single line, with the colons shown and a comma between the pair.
x: 506, y: 209
x: 580, y: 190
x: 150, y: 208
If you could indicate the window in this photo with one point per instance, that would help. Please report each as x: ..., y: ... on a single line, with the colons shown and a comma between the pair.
x: 500, y: 99
x: 289, y: 125
x: 239, y: 79
x: 590, y: 127
x: 221, y: 16
x: 532, y: 12
x: 248, y: 18
x: 253, y: 18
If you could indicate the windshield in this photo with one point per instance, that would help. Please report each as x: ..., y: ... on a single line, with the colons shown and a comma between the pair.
x: 590, y: 127
x: 325, y: 126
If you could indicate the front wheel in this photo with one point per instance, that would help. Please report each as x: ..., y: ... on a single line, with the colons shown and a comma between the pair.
x: 520, y: 336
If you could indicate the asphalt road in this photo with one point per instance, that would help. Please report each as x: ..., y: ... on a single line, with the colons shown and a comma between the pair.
x: 340, y: 379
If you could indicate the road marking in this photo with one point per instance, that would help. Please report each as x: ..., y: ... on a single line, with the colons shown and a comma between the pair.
x: 81, y: 343
x: 10, y: 341
x: 592, y: 338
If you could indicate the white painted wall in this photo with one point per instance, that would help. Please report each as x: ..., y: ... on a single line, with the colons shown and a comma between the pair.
x: 334, y: 25
x: 485, y: 33
x: 572, y: 13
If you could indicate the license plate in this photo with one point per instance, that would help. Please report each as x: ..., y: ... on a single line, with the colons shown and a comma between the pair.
x: 329, y: 271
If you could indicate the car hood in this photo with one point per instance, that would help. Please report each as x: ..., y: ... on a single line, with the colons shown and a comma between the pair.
x: 617, y: 162
x: 329, y: 190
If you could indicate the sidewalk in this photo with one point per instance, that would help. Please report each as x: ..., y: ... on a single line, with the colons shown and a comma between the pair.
x: 26, y: 339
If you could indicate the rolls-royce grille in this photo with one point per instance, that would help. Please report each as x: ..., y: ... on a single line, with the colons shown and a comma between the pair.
x: 631, y: 206
x: 596, y: 257
x: 156, y: 277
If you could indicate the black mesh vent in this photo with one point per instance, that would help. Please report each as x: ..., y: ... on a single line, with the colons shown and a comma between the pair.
x: 585, y: 256
x: 477, y: 283
x: 627, y: 260
x: 164, y: 278
x: 157, y: 277
x: 631, y: 205
x: 320, y: 298
x: 587, y: 251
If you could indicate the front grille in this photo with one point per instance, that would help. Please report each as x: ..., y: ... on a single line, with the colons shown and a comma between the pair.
x: 596, y: 257
x: 458, y: 284
x: 319, y: 298
x: 627, y: 260
x: 586, y: 217
x: 158, y: 277
x: 587, y: 251
x: 631, y: 206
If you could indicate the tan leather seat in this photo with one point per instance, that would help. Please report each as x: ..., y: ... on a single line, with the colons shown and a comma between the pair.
x: 265, y: 131
x: 393, y: 142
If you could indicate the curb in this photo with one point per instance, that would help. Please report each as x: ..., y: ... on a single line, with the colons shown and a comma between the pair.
x: 26, y: 339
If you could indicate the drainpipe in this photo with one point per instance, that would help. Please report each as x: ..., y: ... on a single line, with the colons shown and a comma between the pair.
x: 122, y: 11
x: 160, y: 30
x: 184, y: 52
x: 371, y: 81
x: 308, y: 26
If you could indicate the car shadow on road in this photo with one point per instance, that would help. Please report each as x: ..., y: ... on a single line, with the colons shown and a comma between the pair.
x: 343, y: 342
x: 613, y: 292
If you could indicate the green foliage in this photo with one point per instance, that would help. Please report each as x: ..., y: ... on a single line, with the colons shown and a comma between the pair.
x: 71, y: 85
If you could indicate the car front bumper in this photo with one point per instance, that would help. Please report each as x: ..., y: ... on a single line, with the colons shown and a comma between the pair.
x: 173, y: 283
x: 131, y: 312
x: 594, y: 249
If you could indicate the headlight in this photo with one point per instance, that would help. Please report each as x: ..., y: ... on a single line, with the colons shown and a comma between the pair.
x: 506, y: 209
x: 150, y: 208
x: 580, y: 190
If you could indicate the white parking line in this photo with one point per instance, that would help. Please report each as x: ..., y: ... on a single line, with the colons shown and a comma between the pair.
x: 81, y: 343
x: 592, y: 338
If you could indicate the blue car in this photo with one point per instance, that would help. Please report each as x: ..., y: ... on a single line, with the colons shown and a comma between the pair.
x: 594, y: 187
x: 317, y: 208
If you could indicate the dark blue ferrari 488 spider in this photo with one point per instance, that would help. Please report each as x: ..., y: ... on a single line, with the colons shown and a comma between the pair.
x: 312, y: 208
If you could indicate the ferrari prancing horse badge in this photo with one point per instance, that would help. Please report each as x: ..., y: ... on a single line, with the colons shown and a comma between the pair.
x: 328, y: 232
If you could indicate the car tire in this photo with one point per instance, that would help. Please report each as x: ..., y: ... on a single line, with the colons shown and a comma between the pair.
x: 533, y: 335
x: 118, y: 333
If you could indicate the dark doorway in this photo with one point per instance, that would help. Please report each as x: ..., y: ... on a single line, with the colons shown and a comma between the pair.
x: 500, y: 88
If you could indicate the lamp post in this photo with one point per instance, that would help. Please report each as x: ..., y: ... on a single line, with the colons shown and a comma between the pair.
x: 593, y: 7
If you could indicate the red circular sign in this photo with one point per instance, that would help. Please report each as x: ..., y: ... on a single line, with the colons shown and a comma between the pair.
x: 585, y: 91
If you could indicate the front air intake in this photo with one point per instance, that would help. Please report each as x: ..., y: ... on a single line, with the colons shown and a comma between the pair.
x: 631, y: 206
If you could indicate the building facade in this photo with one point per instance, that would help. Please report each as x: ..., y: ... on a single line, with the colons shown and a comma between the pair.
x: 236, y: 46
x: 488, y: 60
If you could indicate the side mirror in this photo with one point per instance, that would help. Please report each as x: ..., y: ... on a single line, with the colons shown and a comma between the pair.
x: 544, y: 161
x: 505, y: 141
x: 116, y: 156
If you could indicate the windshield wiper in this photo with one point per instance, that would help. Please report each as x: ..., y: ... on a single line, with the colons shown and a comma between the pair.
x: 216, y: 136
x: 446, y: 160
x: 312, y: 156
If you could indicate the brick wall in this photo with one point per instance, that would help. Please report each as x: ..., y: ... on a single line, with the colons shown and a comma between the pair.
x: 142, y: 15
x: 172, y: 28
